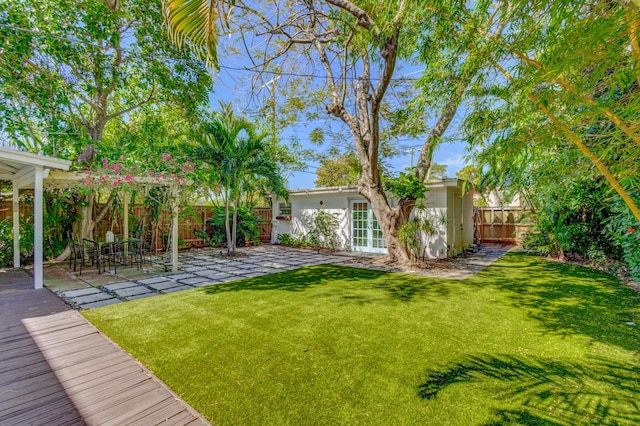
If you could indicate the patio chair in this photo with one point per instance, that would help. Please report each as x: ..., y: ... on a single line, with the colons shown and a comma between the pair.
x: 82, y: 254
x: 125, y: 253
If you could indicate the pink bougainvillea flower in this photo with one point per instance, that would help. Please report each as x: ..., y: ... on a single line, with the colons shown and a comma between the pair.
x: 166, y: 157
x: 129, y: 179
x: 105, y: 163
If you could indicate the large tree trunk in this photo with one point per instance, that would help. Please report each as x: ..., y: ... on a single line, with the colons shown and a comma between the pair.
x: 87, y: 223
x: 234, y: 233
x: 227, y: 224
x: 390, y: 220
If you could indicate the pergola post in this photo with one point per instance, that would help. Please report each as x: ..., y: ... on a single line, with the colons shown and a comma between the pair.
x: 16, y: 225
x: 174, y: 235
x: 125, y: 208
x: 38, y: 230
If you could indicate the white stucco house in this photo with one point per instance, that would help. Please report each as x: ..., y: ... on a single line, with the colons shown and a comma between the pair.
x: 447, y: 208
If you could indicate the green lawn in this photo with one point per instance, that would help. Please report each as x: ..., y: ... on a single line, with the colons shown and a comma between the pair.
x: 527, y: 341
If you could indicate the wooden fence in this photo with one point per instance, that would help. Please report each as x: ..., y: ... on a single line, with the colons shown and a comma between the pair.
x: 193, y: 217
x: 500, y: 224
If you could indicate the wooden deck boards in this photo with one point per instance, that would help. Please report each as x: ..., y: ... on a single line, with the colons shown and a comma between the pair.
x: 57, y: 369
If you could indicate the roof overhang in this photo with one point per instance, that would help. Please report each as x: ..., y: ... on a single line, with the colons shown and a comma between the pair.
x: 19, y: 167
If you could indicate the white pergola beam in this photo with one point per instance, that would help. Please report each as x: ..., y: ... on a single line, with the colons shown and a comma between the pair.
x: 23, y: 169
x: 19, y: 157
x: 16, y: 225
x: 8, y: 168
x: 26, y: 179
x: 38, y: 229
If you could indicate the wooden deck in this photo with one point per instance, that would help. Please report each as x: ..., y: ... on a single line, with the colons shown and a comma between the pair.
x: 57, y: 369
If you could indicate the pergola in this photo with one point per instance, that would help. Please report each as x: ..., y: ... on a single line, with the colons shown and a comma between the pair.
x: 25, y: 169
x: 67, y: 178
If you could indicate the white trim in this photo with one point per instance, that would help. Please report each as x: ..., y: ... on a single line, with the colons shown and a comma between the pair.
x: 370, y: 220
x: 16, y: 225
x: 38, y: 229
x: 11, y: 156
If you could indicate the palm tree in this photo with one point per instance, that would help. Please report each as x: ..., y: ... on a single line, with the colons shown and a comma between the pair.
x: 192, y: 23
x: 238, y: 157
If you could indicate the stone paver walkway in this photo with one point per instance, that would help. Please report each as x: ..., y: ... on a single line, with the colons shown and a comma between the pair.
x: 207, y: 267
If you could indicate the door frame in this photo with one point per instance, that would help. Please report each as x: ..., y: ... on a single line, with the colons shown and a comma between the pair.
x: 371, y: 222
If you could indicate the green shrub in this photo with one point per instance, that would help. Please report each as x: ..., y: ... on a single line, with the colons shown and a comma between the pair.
x: 285, y: 239
x: 215, y: 234
x: 624, y: 230
x: 6, y: 243
x: 323, y: 229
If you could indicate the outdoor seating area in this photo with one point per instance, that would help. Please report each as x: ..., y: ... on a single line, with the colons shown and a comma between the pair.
x: 106, y: 256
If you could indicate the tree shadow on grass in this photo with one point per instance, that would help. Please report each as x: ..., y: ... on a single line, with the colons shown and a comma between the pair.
x: 298, y: 279
x: 399, y: 287
x: 568, y: 299
x: 543, y: 391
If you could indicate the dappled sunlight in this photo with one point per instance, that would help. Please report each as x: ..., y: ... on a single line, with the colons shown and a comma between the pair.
x: 568, y: 299
x: 399, y: 287
x: 555, y: 392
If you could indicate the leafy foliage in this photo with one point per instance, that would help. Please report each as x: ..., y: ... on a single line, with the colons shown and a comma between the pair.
x: 341, y: 170
x: 405, y: 186
x: 70, y: 68
x: 215, y: 235
x: 323, y: 229
x: 237, y: 159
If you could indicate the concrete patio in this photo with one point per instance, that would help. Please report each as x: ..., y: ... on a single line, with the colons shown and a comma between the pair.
x: 203, y: 268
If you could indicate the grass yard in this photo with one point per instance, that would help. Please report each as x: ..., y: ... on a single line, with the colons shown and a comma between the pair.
x: 527, y: 341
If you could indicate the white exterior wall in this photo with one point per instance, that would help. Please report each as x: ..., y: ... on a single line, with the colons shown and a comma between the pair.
x: 440, y: 211
x: 436, y: 246
x: 304, y: 204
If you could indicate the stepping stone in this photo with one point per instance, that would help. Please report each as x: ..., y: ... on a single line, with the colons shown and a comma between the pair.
x: 193, y: 281
x: 250, y: 266
x: 216, y: 276
x: 119, y: 286
x: 179, y: 288
x: 273, y: 265
x: 101, y: 303
x: 205, y: 272
x: 91, y: 298
x: 180, y: 276
x: 163, y: 285
x: 205, y: 283
x: 141, y: 296
x: 194, y: 269
x: 253, y: 274
x: 154, y: 280
x: 227, y: 269
x: 80, y: 292
x: 229, y: 279
x: 132, y: 291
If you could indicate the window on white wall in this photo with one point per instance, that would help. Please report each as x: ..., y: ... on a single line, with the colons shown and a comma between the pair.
x: 284, y: 209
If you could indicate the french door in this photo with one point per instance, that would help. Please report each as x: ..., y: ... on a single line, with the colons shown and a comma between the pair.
x: 366, y: 234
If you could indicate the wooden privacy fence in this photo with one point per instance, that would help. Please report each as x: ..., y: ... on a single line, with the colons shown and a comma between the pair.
x: 500, y: 224
x: 193, y: 217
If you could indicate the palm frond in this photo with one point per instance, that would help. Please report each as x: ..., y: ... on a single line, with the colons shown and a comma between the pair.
x: 192, y: 24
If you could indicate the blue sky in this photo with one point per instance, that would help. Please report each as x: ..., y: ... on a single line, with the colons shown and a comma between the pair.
x: 229, y: 87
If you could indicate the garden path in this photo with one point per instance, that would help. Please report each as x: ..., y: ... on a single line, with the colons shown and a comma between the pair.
x: 203, y: 268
